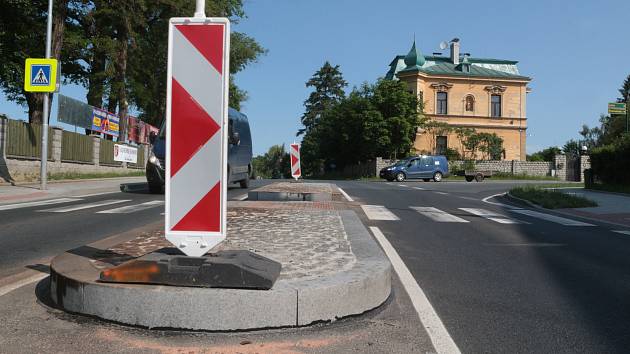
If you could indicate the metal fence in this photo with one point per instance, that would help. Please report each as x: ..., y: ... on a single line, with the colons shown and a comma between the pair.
x: 76, y: 147
x: 24, y: 140
x: 106, y: 153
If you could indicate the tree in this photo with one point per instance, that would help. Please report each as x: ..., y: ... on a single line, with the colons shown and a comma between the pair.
x: 547, y: 154
x: 571, y: 147
x: 328, y: 85
x: 275, y: 163
x: 624, y: 91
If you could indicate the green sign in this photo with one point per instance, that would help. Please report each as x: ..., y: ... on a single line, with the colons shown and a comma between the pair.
x: 616, y: 108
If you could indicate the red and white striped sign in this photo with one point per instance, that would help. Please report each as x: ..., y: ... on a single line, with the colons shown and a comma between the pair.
x: 196, y: 116
x: 296, y: 170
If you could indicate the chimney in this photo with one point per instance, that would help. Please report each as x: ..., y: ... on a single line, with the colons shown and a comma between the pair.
x: 455, y: 51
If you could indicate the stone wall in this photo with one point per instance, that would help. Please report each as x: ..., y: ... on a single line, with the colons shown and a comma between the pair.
x: 529, y: 168
x: 17, y: 169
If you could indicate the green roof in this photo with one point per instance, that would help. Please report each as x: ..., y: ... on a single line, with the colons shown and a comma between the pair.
x: 414, y: 58
x: 453, y: 70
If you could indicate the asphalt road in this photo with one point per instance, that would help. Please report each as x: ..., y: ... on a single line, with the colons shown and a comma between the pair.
x: 35, y: 234
x: 501, y: 278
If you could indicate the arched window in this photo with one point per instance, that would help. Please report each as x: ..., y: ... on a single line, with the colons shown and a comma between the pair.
x: 470, y: 103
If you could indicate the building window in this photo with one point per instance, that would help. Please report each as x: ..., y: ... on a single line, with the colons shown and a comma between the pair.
x: 440, y: 145
x: 495, y: 105
x: 442, y: 103
x: 470, y: 103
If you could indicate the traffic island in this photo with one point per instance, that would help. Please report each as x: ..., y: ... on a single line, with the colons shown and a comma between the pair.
x: 331, y: 268
x: 296, y: 191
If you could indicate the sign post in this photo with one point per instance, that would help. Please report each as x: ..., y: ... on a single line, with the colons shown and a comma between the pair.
x: 196, y: 133
x: 296, y: 170
x: 40, y: 75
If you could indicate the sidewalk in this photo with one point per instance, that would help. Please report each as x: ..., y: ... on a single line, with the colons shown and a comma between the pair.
x: 31, y: 192
x: 612, y: 208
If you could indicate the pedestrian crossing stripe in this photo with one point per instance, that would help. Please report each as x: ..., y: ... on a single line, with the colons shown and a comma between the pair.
x: 40, y: 75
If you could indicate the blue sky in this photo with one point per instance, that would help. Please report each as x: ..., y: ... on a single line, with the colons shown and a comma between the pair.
x: 577, y: 53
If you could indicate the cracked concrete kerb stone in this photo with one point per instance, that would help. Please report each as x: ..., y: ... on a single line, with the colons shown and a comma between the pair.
x: 291, y: 302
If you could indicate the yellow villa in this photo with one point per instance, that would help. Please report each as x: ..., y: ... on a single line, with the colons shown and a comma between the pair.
x: 488, y: 95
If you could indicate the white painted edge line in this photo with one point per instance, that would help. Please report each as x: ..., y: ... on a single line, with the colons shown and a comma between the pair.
x: 624, y: 232
x: 419, y: 188
x: 440, y: 338
x: 443, y: 193
x: 20, y: 283
x: 94, y: 194
x: 487, y: 200
x: 241, y: 197
x: 345, y: 195
x: 403, y: 185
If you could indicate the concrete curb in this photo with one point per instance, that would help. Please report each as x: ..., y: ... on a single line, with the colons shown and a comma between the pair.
x: 290, y: 303
x: 563, y: 213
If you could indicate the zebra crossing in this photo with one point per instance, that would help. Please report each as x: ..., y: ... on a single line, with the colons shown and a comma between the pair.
x: 76, y: 204
x: 467, y: 215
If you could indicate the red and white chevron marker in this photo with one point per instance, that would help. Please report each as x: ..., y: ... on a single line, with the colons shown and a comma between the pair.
x: 196, y: 116
x: 296, y: 170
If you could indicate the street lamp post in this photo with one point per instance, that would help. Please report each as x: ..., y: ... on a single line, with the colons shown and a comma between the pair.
x: 200, y: 9
x: 44, y: 157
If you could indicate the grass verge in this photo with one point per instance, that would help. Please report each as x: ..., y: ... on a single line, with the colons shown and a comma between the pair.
x: 551, y: 199
x: 75, y: 175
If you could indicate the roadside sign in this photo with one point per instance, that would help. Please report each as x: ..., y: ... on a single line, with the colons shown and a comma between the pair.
x: 296, y: 170
x: 40, y: 75
x: 616, y: 108
x: 196, y: 133
x: 124, y: 153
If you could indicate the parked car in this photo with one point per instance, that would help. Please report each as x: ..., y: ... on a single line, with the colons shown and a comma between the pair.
x: 239, y: 168
x: 423, y: 167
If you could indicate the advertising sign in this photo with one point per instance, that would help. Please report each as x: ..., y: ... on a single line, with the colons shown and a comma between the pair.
x: 196, y: 134
x: 616, y: 108
x: 124, y: 153
x: 105, y: 122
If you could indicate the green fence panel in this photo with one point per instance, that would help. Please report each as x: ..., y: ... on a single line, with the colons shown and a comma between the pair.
x: 141, y: 162
x: 106, y: 153
x: 76, y: 147
x: 24, y: 139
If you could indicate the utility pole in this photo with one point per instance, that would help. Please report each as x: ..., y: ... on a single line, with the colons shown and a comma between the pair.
x: 200, y: 9
x: 627, y: 114
x: 44, y: 158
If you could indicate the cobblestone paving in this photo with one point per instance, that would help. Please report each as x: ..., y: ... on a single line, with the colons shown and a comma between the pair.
x: 309, y: 243
x: 299, y: 187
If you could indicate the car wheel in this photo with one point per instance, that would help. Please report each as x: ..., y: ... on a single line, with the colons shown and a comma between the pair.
x: 155, y: 188
x: 479, y: 177
x: 426, y: 179
x: 437, y: 177
x: 469, y: 178
x: 400, y: 176
x: 245, y: 183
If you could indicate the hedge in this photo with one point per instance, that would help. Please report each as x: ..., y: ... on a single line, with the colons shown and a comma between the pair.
x: 611, y: 163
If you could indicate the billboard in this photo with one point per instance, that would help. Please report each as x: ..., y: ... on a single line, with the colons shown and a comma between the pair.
x: 105, y: 122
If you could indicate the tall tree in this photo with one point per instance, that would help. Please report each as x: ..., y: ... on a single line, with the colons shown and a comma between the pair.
x: 328, y: 89
x: 624, y: 91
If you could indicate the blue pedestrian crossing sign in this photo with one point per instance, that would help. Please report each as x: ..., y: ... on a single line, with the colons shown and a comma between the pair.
x: 40, y: 75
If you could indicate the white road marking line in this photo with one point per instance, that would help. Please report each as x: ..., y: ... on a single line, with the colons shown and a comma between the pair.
x: 133, y: 208
x: 95, y: 194
x: 345, y: 195
x: 443, y: 193
x: 20, y: 283
x: 438, y: 215
x: 490, y: 215
x: 85, y: 206
x: 622, y: 232
x: 403, y: 185
x: 552, y: 218
x: 241, y: 197
x: 487, y: 200
x: 38, y: 203
x: 378, y: 212
x: 419, y: 188
x: 440, y: 338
